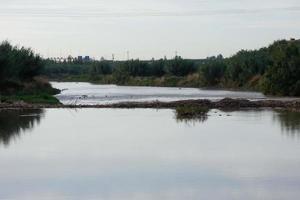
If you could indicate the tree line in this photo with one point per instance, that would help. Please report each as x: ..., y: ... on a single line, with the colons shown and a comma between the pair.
x: 158, y: 68
x: 274, y: 69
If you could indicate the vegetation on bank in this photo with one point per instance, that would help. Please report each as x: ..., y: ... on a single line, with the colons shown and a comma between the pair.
x: 33, y: 99
x: 189, y: 112
x: 273, y: 70
x: 191, y: 80
x: 20, y: 70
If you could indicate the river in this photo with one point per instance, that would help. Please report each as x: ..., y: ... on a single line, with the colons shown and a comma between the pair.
x: 134, y: 154
x: 92, y: 94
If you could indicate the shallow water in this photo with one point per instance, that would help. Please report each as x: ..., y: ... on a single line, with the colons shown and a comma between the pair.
x: 90, y: 94
x: 149, y: 154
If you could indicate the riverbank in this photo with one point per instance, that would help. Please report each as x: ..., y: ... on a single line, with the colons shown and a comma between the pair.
x: 192, y: 80
x: 35, y: 91
x: 46, y: 99
x: 225, y: 104
x: 189, y: 81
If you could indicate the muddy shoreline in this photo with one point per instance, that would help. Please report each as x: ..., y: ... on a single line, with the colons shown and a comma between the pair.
x: 226, y: 103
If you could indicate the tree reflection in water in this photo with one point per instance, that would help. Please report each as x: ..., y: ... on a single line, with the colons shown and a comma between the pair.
x: 14, y: 122
x: 289, y: 122
x: 191, y: 114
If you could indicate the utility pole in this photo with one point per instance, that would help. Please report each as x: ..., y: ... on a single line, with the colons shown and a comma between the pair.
x: 113, y: 57
x: 127, y: 55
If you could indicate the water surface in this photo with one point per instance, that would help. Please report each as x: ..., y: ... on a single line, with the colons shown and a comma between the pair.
x: 149, y: 154
x: 90, y: 94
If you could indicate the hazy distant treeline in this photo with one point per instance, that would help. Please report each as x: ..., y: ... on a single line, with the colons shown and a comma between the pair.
x: 274, y: 69
x: 176, y: 67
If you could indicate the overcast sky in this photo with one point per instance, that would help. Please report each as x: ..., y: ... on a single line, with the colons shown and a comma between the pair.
x: 147, y: 28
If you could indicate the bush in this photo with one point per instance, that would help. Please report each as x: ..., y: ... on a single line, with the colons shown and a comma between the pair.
x: 19, y: 70
x: 282, y: 76
x: 19, y: 64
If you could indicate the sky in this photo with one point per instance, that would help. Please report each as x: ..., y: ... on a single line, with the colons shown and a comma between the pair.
x: 147, y: 28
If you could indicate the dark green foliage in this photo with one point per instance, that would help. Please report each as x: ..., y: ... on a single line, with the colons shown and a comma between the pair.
x: 19, y: 68
x: 175, y: 67
x: 5, y: 50
x: 274, y: 70
x: 139, y: 68
x: 34, y: 98
x: 157, y: 68
x: 134, y: 68
x: 58, y: 70
x: 18, y: 64
x: 102, y: 67
x: 180, y: 67
x: 246, y: 64
x: 213, y: 70
x: 191, y: 112
x: 121, y: 74
x: 283, y: 76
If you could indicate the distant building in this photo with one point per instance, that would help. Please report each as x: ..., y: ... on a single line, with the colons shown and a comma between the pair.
x: 79, y: 58
x: 86, y: 59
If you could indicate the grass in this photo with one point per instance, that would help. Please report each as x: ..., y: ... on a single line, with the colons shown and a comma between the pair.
x: 191, y: 112
x: 34, y: 99
x: 34, y: 91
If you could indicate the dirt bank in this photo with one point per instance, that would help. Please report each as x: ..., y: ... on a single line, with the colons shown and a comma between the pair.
x: 226, y: 103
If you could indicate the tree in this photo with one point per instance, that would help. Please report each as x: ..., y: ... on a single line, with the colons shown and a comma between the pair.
x: 103, y: 67
x: 282, y: 77
x: 5, y: 50
x: 213, y: 70
x: 18, y: 64
x: 180, y: 67
x: 246, y: 64
x: 157, y: 68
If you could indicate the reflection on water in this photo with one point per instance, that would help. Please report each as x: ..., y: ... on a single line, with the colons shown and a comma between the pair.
x: 14, y: 122
x: 134, y: 154
x: 289, y: 121
x: 191, y: 117
x: 192, y: 121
